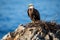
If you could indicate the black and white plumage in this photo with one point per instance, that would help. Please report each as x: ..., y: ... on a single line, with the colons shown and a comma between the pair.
x: 33, y: 14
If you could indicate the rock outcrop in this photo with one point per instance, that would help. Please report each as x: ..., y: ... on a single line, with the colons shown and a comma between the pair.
x: 35, y: 31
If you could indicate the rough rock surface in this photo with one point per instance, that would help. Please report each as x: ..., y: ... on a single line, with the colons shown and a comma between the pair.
x: 35, y: 31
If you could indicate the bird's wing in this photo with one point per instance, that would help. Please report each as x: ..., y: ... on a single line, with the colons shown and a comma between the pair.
x: 28, y: 12
x: 37, y: 13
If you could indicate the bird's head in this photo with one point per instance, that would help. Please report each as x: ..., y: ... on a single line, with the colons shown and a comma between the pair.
x: 31, y: 7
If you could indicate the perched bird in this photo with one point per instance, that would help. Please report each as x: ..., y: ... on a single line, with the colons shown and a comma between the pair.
x: 33, y: 13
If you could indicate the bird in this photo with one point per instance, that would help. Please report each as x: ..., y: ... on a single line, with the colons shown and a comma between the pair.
x: 33, y: 13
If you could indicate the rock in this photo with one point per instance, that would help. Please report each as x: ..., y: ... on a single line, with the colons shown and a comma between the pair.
x: 35, y: 31
x: 13, y: 35
x: 7, y: 37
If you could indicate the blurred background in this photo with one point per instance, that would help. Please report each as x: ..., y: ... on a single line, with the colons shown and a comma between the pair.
x: 14, y: 12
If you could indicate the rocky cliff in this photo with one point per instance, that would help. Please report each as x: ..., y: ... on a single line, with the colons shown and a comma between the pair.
x: 35, y: 31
